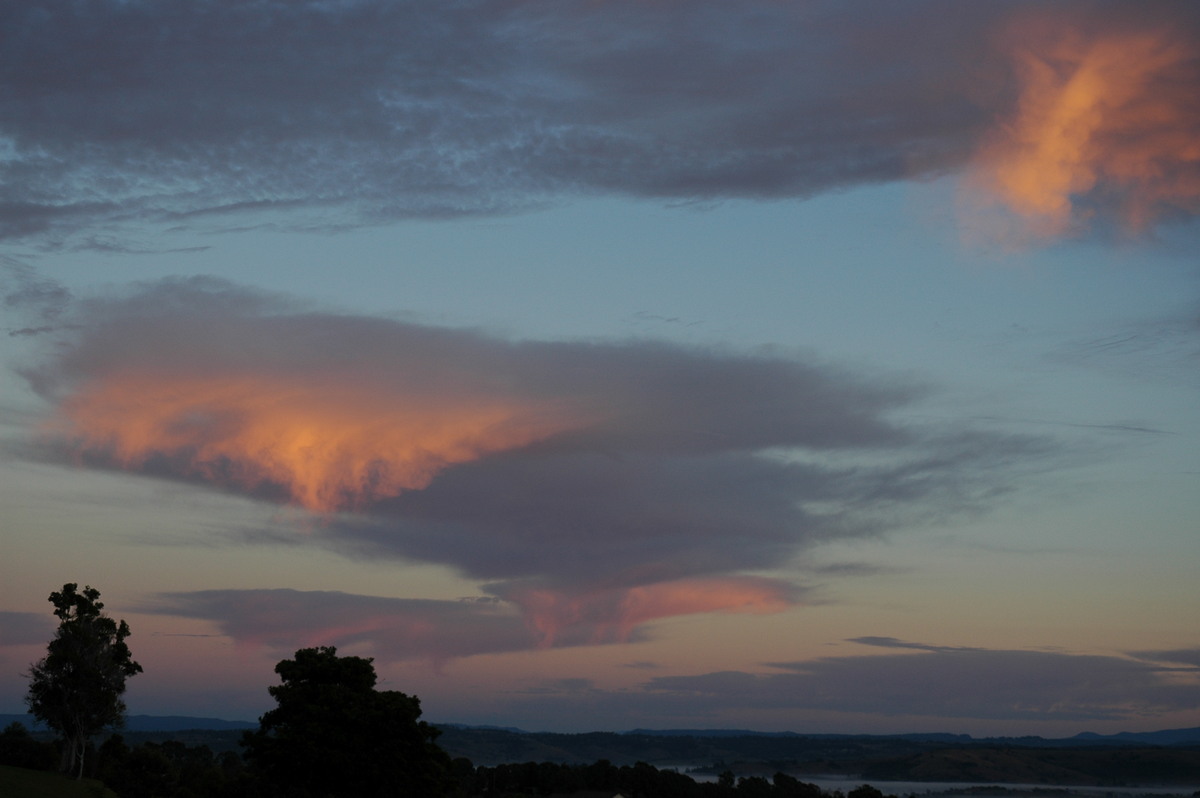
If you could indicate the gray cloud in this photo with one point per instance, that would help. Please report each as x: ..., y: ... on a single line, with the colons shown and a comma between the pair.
x: 30, y: 299
x: 1179, y: 656
x: 658, y: 480
x: 395, y: 629
x: 892, y: 642
x: 949, y: 682
x: 325, y: 115
x: 854, y: 569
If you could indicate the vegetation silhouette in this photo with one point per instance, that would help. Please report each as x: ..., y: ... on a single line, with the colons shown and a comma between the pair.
x: 76, y: 688
x: 333, y: 734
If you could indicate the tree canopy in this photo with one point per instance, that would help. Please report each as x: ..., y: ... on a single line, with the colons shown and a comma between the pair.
x: 333, y: 734
x: 76, y: 688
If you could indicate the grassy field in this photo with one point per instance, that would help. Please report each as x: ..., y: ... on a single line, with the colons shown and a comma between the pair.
x: 40, y: 784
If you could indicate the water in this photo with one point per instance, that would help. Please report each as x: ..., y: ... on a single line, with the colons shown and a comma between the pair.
x: 902, y: 788
x: 949, y: 789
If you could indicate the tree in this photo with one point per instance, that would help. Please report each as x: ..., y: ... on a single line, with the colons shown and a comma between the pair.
x: 18, y: 748
x: 76, y: 688
x: 334, y: 734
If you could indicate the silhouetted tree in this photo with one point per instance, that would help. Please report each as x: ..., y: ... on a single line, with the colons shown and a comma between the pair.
x: 786, y: 786
x: 754, y: 787
x: 76, y: 689
x: 333, y: 734
x: 865, y: 791
x: 19, y: 749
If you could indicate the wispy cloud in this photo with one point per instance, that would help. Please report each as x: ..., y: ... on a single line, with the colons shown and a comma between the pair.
x: 1179, y: 656
x: 891, y: 642
x: 31, y: 300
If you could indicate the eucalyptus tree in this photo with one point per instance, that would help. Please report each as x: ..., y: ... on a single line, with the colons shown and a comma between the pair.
x: 76, y: 688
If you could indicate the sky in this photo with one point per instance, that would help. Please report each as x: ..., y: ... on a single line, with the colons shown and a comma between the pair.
x: 611, y: 364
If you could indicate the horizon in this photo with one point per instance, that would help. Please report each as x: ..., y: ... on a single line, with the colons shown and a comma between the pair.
x: 613, y: 365
x: 704, y: 731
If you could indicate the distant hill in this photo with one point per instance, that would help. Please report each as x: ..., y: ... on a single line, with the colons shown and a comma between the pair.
x: 935, y: 737
x: 1164, y: 757
x: 1165, y: 737
x: 183, y: 722
x: 150, y: 723
x: 917, y: 758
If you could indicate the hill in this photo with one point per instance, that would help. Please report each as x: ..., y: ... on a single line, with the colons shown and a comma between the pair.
x: 147, y: 723
x: 1094, y: 767
x: 1170, y: 757
x: 927, y: 758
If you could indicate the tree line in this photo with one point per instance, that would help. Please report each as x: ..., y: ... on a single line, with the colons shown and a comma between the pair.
x: 331, y: 734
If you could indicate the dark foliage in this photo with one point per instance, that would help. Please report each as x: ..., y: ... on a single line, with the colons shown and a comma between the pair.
x: 635, y: 781
x: 171, y: 769
x: 333, y: 734
x: 76, y: 688
x: 18, y: 748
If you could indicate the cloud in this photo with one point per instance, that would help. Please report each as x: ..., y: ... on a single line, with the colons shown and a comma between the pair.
x: 949, y: 682
x: 1165, y: 349
x: 891, y: 642
x: 319, y: 115
x: 1180, y: 656
x: 613, y: 614
x: 438, y: 630
x: 30, y: 298
x: 382, y: 110
x: 598, y: 486
x: 854, y: 569
x: 393, y: 629
x: 1106, y: 124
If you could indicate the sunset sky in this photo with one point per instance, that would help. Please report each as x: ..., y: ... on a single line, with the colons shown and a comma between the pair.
x: 604, y: 364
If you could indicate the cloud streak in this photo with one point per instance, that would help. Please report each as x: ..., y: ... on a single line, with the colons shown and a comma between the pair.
x: 596, y: 486
x: 394, y: 629
x: 951, y: 682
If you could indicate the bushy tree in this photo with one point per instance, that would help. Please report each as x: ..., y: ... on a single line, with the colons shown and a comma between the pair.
x: 19, y: 749
x: 334, y: 734
x: 76, y: 688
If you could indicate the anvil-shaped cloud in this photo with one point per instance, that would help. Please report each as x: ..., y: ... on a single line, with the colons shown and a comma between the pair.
x: 596, y: 486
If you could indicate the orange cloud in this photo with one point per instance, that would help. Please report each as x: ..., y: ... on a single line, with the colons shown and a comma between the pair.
x: 328, y: 443
x: 1105, y: 121
x: 611, y: 615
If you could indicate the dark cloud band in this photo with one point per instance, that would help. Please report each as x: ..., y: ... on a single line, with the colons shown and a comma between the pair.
x: 327, y: 115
